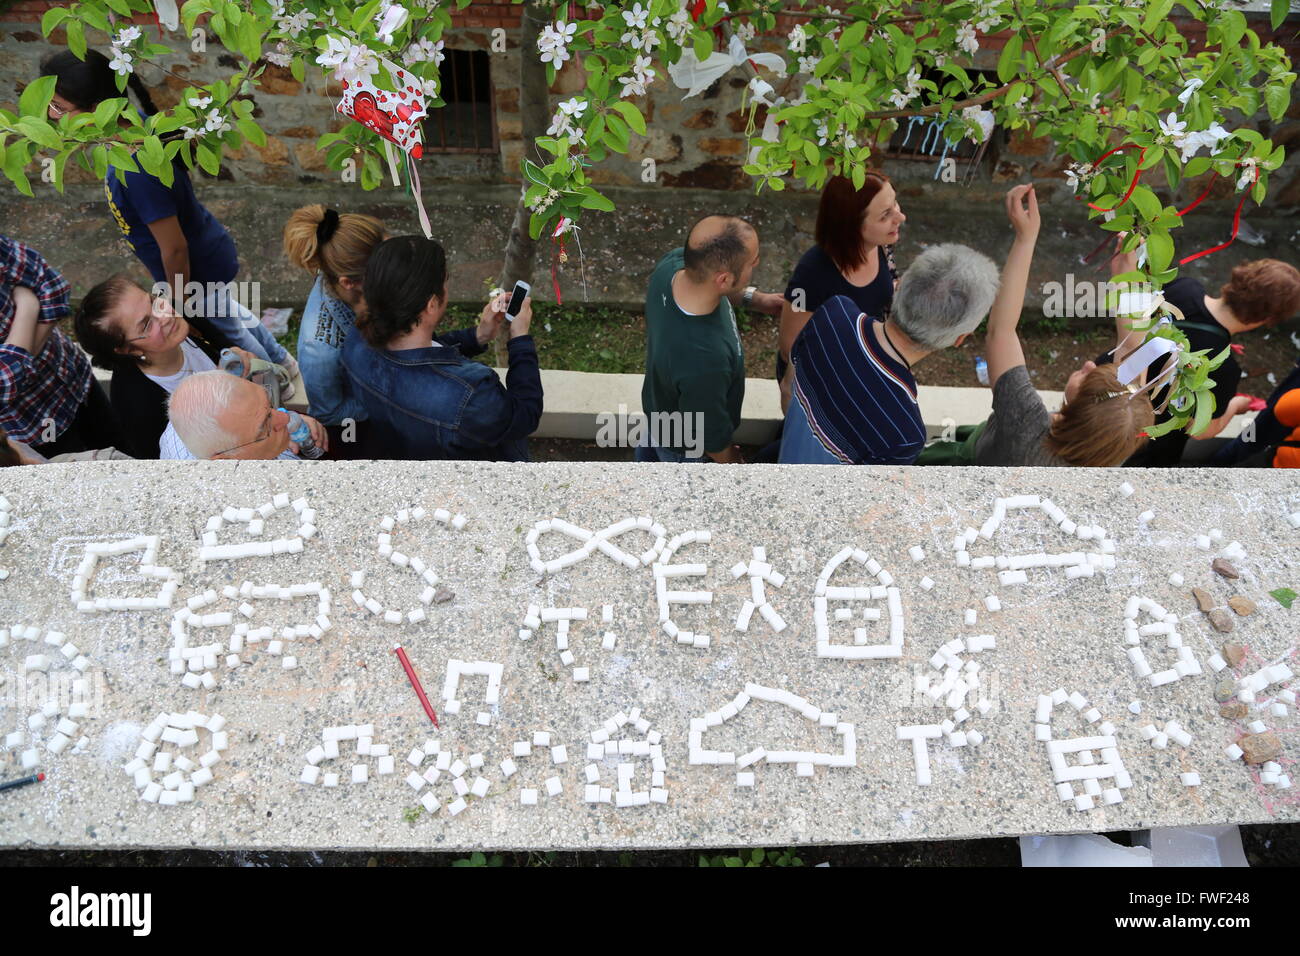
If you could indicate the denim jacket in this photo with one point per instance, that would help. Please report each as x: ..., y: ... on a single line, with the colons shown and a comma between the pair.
x: 327, y: 323
x: 434, y: 403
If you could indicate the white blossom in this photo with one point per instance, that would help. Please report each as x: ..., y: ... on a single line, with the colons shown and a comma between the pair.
x: 554, y: 40
x: 216, y: 123
x: 353, y: 62
x: 798, y: 39
x: 424, y: 50
x: 199, y: 102
x: 823, y: 132
x: 127, y: 36
x: 966, y: 38
x: 636, y: 85
x: 190, y: 132
x: 391, y: 18
x: 746, y: 31
x: 679, y: 25
x: 982, y: 118
x: 1247, y: 172
x: 121, y: 62
x: 1172, y: 128
x: 1077, y: 175
x: 636, y: 17
x: 574, y: 107
x: 645, y: 40
x: 1192, y: 86
x: 430, y: 86
x: 808, y: 63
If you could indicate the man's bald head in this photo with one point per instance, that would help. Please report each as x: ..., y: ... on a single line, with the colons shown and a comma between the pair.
x: 720, y: 244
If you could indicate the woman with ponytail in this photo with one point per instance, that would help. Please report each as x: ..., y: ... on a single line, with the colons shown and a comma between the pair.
x: 335, y: 248
x: 171, y: 232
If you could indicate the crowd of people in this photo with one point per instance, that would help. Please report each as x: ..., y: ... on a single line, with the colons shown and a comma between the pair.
x: 382, y: 381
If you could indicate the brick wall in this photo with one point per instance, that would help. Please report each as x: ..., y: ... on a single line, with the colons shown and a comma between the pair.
x: 698, y: 142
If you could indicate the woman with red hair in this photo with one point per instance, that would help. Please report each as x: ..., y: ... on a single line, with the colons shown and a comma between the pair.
x: 855, y: 233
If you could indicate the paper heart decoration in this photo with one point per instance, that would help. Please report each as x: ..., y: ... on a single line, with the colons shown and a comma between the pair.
x: 393, y: 114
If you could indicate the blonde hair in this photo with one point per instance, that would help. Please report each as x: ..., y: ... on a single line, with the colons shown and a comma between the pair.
x: 1103, y: 425
x: 344, y: 253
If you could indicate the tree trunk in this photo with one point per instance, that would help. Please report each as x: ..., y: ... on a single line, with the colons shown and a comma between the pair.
x: 535, y: 115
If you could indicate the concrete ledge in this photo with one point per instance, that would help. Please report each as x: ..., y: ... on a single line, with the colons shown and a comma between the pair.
x: 575, y: 399
x: 1051, y: 632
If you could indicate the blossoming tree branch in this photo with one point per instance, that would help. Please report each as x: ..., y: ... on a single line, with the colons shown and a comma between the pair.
x: 1113, y: 84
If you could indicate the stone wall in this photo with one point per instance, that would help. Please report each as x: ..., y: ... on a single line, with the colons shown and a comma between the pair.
x: 697, y: 143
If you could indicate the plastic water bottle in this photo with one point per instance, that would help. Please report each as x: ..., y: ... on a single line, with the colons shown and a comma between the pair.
x: 300, y: 433
x: 981, y: 370
x: 232, y: 363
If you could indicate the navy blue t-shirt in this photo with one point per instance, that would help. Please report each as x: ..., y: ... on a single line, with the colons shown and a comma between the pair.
x: 144, y: 199
x: 820, y: 279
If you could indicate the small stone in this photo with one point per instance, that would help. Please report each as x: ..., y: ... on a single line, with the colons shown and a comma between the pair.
x: 1233, y: 710
x: 1234, y: 654
x: 1242, y: 605
x: 1225, y: 689
x: 1260, y: 747
x: 1224, y: 569
x: 1221, y: 621
x: 443, y: 595
x: 1203, y: 599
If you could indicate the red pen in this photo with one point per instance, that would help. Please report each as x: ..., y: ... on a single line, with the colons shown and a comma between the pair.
x: 415, y: 682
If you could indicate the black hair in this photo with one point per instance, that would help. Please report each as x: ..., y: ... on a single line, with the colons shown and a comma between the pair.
x: 87, y: 83
x: 402, y: 275
x: 724, y: 252
x: 101, y: 339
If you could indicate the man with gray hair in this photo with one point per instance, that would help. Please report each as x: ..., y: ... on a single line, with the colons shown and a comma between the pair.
x: 215, y: 415
x: 854, y: 397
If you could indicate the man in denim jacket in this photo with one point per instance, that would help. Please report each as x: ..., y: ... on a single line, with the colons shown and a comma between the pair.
x: 424, y: 396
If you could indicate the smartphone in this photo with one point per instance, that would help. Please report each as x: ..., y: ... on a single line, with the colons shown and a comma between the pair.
x: 517, y: 299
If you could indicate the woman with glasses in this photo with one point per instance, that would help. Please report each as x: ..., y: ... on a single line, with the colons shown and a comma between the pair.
x: 150, y: 351
x: 171, y: 232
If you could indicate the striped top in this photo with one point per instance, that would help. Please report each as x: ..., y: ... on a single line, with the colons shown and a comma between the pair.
x: 857, y: 403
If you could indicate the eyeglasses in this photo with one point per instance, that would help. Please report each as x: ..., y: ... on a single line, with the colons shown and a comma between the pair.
x: 57, y: 111
x: 263, y: 434
x: 150, y: 323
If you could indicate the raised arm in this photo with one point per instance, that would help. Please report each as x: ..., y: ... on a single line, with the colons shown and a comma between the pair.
x: 1002, y: 342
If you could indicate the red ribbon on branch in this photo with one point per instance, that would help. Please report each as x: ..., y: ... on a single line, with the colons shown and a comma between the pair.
x: 1236, y: 217
x: 1136, y: 175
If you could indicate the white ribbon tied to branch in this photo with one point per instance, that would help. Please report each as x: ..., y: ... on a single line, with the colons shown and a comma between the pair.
x: 1140, y: 359
x: 696, y: 77
x: 168, y: 15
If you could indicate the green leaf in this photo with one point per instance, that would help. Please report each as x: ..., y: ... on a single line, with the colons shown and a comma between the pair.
x: 297, y: 69
x: 1204, y: 412
x: 1009, y: 61
x: 120, y: 7
x: 703, y: 45
x: 53, y: 17
x: 594, y: 200
x: 1160, y: 251
x: 1277, y: 98
x: 853, y: 35
x: 1196, y: 166
x: 40, y: 132
x: 1284, y: 597
x: 1146, y: 202
x: 209, y: 160
x: 616, y: 133
x: 108, y: 111
x: 77, y: 39
x: 252, y: 132
x: 15, y: 160
x: 759, y: 855
x: 810, y: 150
x: 1277, y: 12
x: 1156, y: 13
x: 99, y: 161
x: 632, y: 115
x: 35, y: 100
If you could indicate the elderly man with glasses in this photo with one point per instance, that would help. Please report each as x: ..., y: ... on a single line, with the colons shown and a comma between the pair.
x: 214, y: 415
